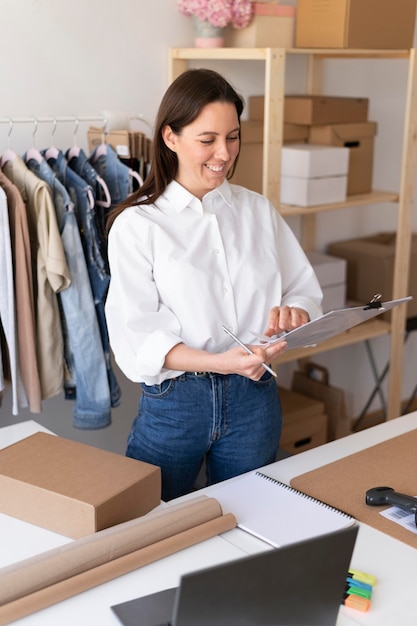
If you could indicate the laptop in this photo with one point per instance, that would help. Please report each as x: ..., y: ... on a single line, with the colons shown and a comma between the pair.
x: 301, y: 584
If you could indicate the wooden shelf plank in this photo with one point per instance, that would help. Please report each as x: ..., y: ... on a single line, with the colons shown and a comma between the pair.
x: 260, y: 54
x: 374, y: 197
x: 366, y: 330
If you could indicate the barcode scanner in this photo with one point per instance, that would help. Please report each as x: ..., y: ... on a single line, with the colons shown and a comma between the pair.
x: 378, y: 496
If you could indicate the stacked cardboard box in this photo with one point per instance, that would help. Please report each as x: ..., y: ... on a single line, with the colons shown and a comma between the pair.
x: 312, y: 175
x: 304, y: 422
x: 317, y: 120
x: 370, y: 267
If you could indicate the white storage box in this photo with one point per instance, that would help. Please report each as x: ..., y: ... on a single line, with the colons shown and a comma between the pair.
x: 331, y: 274
x: 313, y: 191
x: 314, y: 160
x: 313, y: 174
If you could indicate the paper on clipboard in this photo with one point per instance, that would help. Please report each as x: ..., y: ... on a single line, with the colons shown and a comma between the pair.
x: 330, y: 324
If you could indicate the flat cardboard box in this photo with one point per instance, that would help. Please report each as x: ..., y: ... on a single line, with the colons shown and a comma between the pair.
x: 264, y: 31
x: 331, y: 273
x: 72, y: 488
x: 370, y: 268
x: 249, y: 167
x: 304, y: 422
x: 314, y: 161
x: 307, y: 192
x: 252, y: 130
x: 315, y: 109
x: 119, y: 140
x: 359, y: 139
x: 367, y: 24
x: 323, y: 109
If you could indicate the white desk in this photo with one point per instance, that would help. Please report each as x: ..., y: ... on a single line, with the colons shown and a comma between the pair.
x: 393, y: 562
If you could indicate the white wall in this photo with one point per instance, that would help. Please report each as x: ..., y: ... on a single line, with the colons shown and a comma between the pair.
x: 77, y: 58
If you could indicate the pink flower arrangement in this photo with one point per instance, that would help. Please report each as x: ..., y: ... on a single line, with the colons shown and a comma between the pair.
x: 237, y: 13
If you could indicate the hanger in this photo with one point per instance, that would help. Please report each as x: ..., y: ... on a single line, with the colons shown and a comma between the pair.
x: 75, y: 150
x: 33, y: 153
x: 101, y: 150
x: 52, y: 152
x: 8, y: 155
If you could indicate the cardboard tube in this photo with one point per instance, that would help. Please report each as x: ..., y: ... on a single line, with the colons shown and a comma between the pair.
x: 69, y: 587
x: 48, y: 568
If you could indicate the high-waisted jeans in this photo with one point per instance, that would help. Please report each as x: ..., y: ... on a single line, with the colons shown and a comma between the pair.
x: 232, y: 422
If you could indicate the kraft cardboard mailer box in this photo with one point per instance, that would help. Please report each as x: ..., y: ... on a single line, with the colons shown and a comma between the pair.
x: 367, y: 24
x: 323, y: 109
x: 72, y: 488
x: 304, y: 422
x: 370, y: 267
x: 359, y: 138
x: 315, y: 109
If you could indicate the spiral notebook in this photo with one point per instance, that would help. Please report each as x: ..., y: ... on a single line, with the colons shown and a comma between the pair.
x: 276, y: 512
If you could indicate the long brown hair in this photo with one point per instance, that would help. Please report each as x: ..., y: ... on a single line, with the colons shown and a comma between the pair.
x: 180, y: 106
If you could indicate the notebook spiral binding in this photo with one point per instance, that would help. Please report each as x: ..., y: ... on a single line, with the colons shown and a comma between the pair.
x: 305, y: 495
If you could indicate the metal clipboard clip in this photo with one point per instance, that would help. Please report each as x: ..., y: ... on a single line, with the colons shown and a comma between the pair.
x: 374, y: 303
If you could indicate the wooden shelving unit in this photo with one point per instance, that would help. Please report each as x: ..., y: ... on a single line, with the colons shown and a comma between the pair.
x: 274, y: 60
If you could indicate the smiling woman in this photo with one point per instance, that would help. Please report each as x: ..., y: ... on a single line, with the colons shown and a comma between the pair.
x: 189, y: 253
x: 207, y: 148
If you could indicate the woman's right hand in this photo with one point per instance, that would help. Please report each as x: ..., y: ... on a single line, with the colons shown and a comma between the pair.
x: 238, y: 361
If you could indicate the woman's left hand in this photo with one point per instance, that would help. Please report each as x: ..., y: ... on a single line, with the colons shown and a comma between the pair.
x: 285, y: 318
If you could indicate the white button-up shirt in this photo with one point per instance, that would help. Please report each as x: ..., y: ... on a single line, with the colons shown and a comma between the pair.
x: 182, y: 268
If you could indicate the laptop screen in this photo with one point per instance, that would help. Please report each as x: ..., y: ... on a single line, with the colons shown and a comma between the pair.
x: 300, y: 584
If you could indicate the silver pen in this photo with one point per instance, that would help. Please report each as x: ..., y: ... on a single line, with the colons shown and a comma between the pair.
x: 248, y: 350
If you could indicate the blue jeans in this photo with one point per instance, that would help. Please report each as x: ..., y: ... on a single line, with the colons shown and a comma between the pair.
x: 232, y: 422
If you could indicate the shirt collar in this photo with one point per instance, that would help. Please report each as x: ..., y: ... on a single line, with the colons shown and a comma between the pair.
x: 176, y: 198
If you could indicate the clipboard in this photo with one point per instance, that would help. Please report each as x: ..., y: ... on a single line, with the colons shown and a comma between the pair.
x: 331, y: 324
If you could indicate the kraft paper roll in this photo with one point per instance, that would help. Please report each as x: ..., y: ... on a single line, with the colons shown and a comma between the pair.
x: 107, y: 546
x: 107, y: 571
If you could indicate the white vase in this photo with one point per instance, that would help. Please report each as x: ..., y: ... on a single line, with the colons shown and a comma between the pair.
x: 206, y: 35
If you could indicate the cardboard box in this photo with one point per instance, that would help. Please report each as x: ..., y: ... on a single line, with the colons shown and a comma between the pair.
x: 272, y: 26
x: 314, y: 161
x: 369, y: 24
x: 331, y: 273
x: 319, y: 109
x: 249, y: 168
x: 370, y: 268
x: 304, y: 422
x: 312, y: 175
x: 322, y: 109
x: 359, y: 138
x: 119, y: 140
x: 72, y: 488
x: 313, y: 191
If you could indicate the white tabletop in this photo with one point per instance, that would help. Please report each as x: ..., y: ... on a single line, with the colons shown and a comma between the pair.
x: 394, y: 563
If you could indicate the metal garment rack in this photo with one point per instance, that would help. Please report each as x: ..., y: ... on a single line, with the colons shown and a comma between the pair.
x: 74, y: 119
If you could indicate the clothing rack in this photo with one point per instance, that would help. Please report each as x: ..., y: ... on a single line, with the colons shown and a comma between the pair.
x: 75, y: 119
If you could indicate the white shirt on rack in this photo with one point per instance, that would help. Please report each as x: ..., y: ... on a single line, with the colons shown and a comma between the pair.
x: 182, y: 268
